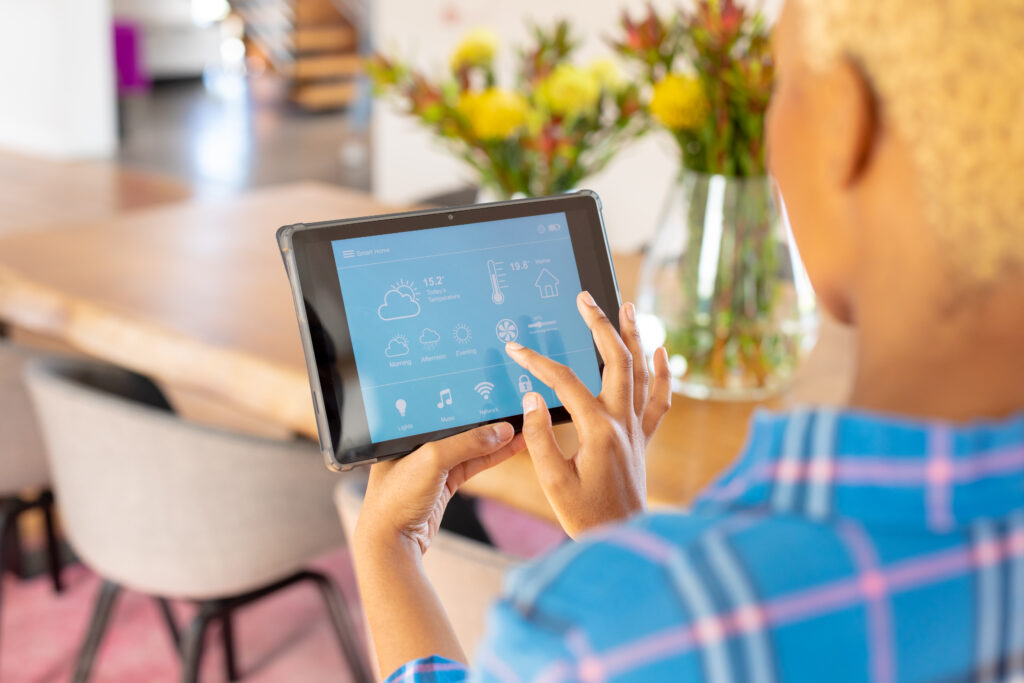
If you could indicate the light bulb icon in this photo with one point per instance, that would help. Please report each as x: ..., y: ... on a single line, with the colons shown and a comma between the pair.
x: 400, y: 405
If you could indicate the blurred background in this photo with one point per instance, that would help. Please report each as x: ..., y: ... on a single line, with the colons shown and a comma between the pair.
x: 165, y: 513
x: 227, y: 95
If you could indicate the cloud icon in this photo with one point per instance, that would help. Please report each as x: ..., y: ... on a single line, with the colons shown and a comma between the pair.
x: 429, y: 337
x: 398, y: 303
x: 396, y: 347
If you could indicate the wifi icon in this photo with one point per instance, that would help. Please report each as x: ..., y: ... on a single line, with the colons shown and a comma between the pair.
x: 484, y: 389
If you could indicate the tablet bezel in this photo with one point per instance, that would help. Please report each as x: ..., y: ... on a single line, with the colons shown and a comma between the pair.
x: 319, y: 304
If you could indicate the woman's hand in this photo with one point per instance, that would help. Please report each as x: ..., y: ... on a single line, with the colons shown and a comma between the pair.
x: 401, y: 513
x: 605, y: 480
x: 406, y: 498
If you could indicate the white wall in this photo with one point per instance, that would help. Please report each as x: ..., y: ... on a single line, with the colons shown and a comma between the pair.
x: 174, y: 42
x: 57, y: 83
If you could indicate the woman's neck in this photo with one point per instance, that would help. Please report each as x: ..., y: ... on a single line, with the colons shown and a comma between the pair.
x: 961, y: 365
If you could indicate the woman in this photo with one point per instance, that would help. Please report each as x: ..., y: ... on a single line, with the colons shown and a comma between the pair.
x: 883, y: 542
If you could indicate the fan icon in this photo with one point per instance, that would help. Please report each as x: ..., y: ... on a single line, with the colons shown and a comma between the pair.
x: 506, y: 330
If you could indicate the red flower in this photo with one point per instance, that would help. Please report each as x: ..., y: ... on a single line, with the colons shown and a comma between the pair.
x: 422, y: 94
x: 647, y: 34
x: 731, y: 17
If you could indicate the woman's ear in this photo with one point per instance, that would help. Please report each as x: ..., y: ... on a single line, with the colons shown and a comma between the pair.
x: 850, y: 106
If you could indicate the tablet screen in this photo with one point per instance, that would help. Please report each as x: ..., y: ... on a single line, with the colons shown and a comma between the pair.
x: 429, y: 313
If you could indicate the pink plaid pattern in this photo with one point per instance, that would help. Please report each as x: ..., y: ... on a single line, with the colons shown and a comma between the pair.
x: 833, y: 537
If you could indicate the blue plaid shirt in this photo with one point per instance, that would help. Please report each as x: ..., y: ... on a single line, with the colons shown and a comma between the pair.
x: 841, y: 546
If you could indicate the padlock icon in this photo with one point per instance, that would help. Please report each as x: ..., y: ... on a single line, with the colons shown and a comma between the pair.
x: 525, y: 384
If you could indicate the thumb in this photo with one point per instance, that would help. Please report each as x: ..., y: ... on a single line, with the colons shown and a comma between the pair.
x: 474, y: 443
x: 548, y: 460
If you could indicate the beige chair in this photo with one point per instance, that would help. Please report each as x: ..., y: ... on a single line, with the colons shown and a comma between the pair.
x: 466, y: 574
x: 177, y: 510
x: 22, y: 464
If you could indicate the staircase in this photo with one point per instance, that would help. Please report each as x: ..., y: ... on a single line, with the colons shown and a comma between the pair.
x: 309, y: 42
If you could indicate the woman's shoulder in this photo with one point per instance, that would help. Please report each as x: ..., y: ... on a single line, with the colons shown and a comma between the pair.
x: 622, y: 592
x: 607, y: 588
x: 637, y: 567
x: 613, y: 570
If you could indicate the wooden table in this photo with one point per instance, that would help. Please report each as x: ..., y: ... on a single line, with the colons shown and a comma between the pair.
x: 195, y: 295
x: 38, y: 192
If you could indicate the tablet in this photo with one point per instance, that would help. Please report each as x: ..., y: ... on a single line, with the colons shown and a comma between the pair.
x: 404, y: 317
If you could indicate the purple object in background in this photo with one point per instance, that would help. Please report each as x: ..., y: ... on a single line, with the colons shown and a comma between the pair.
x: 517, y: 533
x: 131, y: 75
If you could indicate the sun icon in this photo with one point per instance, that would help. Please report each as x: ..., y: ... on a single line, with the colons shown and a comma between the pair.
x: 407, y: 288
x: 462, y: 334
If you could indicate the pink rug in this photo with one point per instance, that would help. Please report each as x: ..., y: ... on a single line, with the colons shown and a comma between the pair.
x: 284, y: 637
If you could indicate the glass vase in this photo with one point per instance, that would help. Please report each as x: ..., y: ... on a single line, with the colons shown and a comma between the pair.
x: 723, y: 288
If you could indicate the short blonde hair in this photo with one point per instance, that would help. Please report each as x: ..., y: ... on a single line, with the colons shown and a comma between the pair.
x: 949, y: 75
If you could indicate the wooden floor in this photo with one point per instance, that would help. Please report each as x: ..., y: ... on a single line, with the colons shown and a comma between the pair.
x: 227, y: 132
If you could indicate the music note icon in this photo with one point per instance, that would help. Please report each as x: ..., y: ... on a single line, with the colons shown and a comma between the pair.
x: 446, y: 398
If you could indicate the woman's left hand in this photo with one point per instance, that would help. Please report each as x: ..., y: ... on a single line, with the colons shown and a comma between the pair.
x: 406, y: 498
x: 401, y: 514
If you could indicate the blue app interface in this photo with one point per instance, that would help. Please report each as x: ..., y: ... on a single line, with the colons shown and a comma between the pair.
x: 430, y: 311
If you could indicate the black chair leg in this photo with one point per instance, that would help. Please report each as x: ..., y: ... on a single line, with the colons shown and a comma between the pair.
x: 97, y: 628
x: 344, y: 627
x: 212, y: 610
x: 8, y: 521
x: 11, y: 546
x: 52, y: 544
x: 227, y: 635
x: 192, y: 646
x: 172, y: 624
x: 7, y: 517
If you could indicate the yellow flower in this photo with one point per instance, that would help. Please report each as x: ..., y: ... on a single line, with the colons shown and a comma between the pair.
x: 679, y: 102
x: 467, y: 104
x: 477, y: 48
x: 569, y: 90
x: 493, y: 113
x: 607, y: 73
x: 535, y: 120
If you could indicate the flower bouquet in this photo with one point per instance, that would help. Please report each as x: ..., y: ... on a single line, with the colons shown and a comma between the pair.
x: 722, y: 286
x: 559, y: 122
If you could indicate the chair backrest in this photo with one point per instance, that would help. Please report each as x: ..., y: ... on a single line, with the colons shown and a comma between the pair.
x: 467, y: 575
x: 22, y: 462
x: 170, y: 507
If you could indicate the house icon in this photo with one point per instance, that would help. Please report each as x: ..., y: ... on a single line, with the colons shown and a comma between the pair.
x: 546, y: 284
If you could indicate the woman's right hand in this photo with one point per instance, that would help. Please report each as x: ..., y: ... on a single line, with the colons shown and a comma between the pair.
x: 605, y: 479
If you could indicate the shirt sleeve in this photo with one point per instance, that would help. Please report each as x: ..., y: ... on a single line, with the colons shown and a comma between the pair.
x: 432, y: 669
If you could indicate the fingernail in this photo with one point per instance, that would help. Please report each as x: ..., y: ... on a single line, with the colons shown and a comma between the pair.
x: 588, y: 299
x: 502, y: 431
x: 514, y: 346
x: 530, y: 403
x: 630, y: 312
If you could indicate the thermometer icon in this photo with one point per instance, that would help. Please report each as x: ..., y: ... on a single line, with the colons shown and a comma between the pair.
x: 497, y: 276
